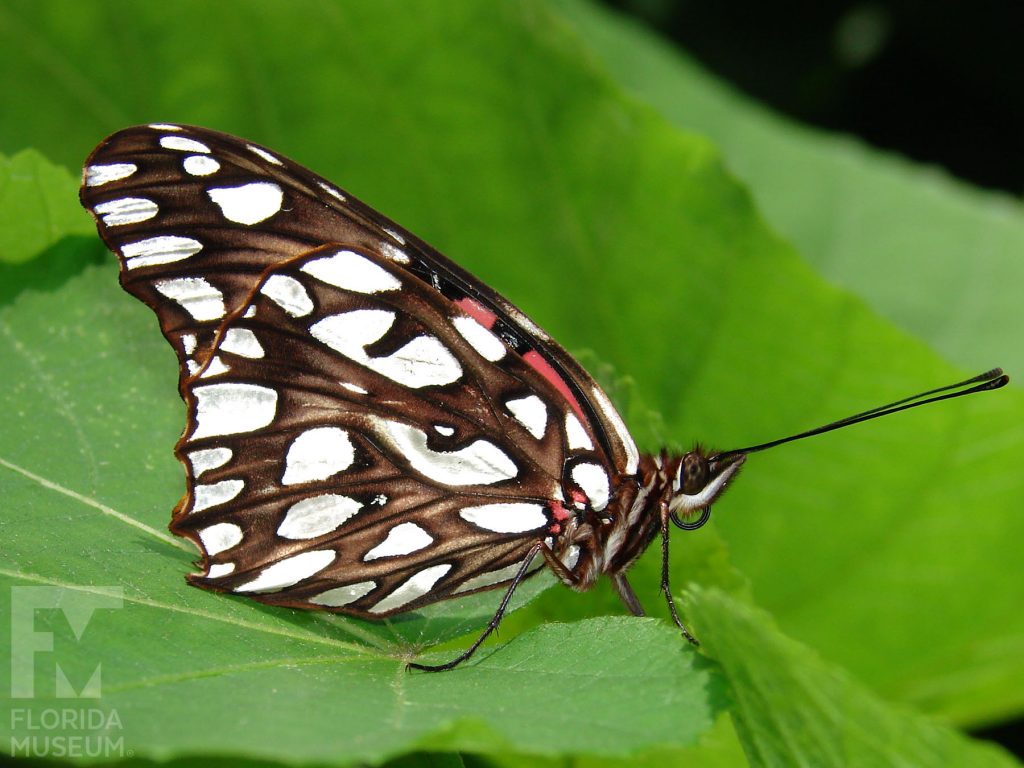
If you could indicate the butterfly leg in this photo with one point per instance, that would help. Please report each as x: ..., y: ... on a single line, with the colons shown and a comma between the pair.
x: 492, y: 625
x: 665, y: 516
x: 627, y: 595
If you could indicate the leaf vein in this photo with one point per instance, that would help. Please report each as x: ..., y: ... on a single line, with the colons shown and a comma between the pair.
x: 50, y: 485
x: 191, y: 611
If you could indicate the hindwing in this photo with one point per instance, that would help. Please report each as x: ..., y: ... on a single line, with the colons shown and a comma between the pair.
x: 356, y: 435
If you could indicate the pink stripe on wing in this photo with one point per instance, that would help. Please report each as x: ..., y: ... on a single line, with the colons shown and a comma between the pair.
x: 477, y: 311
x: 543, y: 367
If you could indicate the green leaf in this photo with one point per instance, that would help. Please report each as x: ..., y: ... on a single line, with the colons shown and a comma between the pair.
x: 34, y: 210
x: 179, y: 680
x: 718, y: 747
x: 895, y: 571
x: 89, y: 519
x: 794, y: 709
x: 489, y: 130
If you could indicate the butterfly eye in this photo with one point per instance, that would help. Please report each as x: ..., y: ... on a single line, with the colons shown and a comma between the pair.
x: 693, y: 473
x: 701, y: 479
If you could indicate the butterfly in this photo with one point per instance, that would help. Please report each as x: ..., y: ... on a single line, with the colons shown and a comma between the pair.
x: 370, y: 428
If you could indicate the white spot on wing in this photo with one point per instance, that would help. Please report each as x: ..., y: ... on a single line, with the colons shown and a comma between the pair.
x: 416, y: 586
x: 393, y: 253
x: 339, y: 596
x: 264, y: 154
x: 188, y: 343
x: 511, y: 517
x: 165, y: 127
x: 98, y: 175
x: 206, y: 459
x: 576, y: 435
x: 481, y: 339
x: 331, y: 191
x: 480, y: 462
x: 127, y: 210
x: 353, y: 272
x: 632, y: 454
x: 594, y: 482
x: 349, y: 332
x: 215, y: 367
x: 524, y: 322
x: 317, y: 454
x: 317, y: 516
x: 397, y: 237
x: 195, y: 295
x: 242, y: 341
x: 442, y: 429
x: 217, y: 570
x: 422, y: 362
x: 200, y: 165
x: 289, y: 571
x: 181, y: 144
x: 219, y: 537
x: 403, y: 539
x: 163, y: 249
x: 231, y: 409
x: 353, y: 388
x: 248, y: 203
x: 531, y: 412
x: 206, y: 496
x: 288, y: 294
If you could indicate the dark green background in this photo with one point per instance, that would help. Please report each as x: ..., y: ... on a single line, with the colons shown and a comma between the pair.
x: 732, y: 276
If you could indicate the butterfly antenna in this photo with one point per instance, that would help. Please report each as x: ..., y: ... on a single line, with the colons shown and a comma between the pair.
x: 983, y: 382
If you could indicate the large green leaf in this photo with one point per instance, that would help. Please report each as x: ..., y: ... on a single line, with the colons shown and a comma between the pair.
x: 32, y: 216
x: 885, y: 593
x: 793, y: 709
x: 488, y: 130
x: 87, y: 482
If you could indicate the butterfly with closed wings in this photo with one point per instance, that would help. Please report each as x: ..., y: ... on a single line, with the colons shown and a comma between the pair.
x: 370, y: 428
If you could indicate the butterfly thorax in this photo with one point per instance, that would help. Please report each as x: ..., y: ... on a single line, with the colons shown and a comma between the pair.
x: 611, y: 540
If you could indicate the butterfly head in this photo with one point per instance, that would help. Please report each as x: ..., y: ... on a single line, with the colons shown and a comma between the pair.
x: 699, y: 479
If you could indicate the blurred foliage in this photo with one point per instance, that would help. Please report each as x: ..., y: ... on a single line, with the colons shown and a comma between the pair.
x: 508, y: 136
